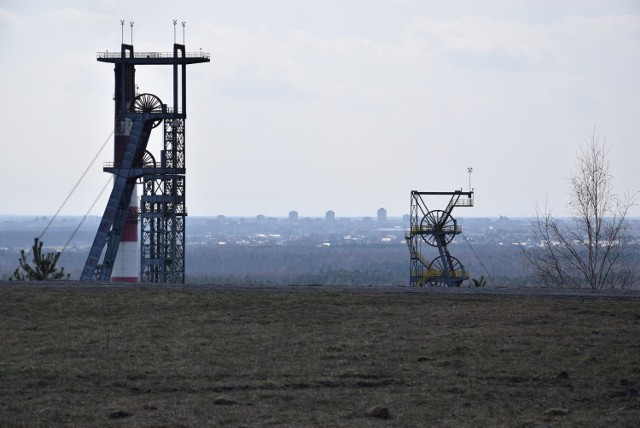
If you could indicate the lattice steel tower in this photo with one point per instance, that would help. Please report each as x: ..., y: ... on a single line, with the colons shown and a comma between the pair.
x: 162, y: 211
x: 436, y: 229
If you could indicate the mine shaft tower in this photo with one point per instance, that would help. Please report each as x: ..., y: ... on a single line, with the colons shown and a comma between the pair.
x: 435, y: 229
x: 162, y: 211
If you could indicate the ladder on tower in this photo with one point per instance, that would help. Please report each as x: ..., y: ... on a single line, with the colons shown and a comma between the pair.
x: 115, y: 214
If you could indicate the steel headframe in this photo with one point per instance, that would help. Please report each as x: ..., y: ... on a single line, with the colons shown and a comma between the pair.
x: 163, y: 210
x: 434, y: 230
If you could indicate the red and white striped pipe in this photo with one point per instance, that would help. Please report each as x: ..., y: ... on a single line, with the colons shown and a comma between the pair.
x: 126, y: 267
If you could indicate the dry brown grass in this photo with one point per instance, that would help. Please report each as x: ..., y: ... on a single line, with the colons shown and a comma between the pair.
x: 148, y: 357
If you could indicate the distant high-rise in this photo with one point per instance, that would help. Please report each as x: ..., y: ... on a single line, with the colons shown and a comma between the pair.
x: 382, y: 215
x: 293, y: 216
x: 330, y: 216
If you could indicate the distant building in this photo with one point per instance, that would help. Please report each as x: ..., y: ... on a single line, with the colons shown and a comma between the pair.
x: 293, y: 216
x: 272, y: 221
x: 382, y: 215
x: 260, y: 219
x: 329, y: 216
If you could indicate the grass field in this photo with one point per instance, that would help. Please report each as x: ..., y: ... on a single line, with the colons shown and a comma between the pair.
x: 191, y: 357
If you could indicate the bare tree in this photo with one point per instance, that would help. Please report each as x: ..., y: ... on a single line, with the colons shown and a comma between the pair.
x: 590, y: 248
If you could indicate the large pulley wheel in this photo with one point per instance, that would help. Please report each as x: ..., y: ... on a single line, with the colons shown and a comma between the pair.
x: 438, y: 225
x: 446, y: 271
x: 147, y: 103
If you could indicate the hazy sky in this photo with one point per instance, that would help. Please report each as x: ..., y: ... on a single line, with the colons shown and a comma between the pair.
x: 345, y: 105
